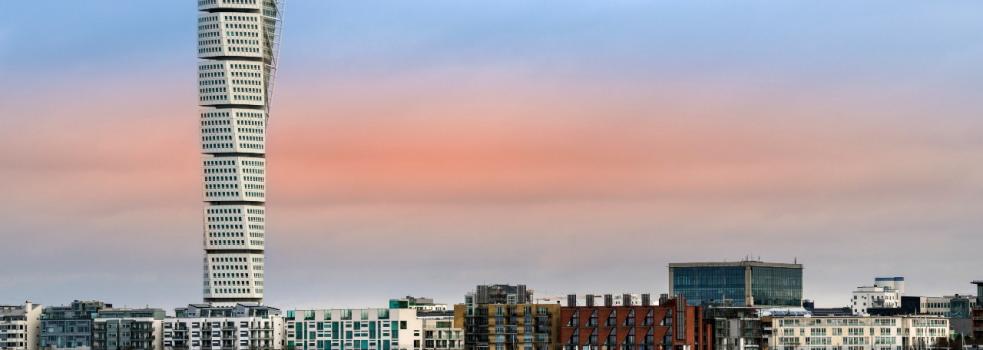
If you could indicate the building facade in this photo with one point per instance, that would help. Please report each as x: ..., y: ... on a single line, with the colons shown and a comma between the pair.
x: 423, y: 305
x: 350, y: 329
x: 631, y: 326
x: 956, y: 306
x: 124, y: 329
x: 509, y: 326
x: 858, y: 332
x: 440, y: 333
x: 212, y: 327
x: 742, y: 283
x: 20, y: 326
x: 736, y: 328
x: 977, y: 313
x: 868, y: 297
x: 69, y: 327
x: 236, y: 50
x: 624, y: 299
x: 499, y: 294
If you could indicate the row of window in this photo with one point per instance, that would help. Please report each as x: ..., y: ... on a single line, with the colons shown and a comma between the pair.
x: 218, y: 146
x: 241, y: 114
x: 232, y: 162
x: 213, y: 194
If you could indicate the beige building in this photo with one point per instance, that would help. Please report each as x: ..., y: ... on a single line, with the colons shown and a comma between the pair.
x: 20, y: 326
x: 857, y: 332
x: 440, y: 333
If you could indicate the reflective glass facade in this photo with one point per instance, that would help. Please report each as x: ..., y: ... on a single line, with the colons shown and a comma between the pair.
x: 710, y: 284
x: 726, y: 283
x: 777, y: 286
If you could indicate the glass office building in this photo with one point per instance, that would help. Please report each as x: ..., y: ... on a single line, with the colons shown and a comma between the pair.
x: 742, y: 283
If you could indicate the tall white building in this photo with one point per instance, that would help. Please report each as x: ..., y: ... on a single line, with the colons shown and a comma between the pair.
x: 237, y: 58
x: 20, y: 326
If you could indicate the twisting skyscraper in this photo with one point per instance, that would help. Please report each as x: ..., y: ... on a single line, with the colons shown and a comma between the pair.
x: 237, y: 44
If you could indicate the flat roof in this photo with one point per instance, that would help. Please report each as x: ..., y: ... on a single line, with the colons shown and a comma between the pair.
x: 735, y: 263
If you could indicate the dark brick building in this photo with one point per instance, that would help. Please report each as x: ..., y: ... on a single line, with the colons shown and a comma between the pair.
x: 670, y: 325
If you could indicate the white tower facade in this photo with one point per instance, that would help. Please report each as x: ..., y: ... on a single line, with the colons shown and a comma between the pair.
x: 237, y: 44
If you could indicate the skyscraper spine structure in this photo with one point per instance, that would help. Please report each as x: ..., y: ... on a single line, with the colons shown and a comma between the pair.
x: 237, y: 49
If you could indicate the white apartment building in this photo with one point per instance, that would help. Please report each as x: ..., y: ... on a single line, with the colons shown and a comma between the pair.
x: 874, y: 297
x: 209, y: 327
x: 20, y: 326
x: 237, y: 41
x: 857, y: 332
x: 351, y: 329
x: 885, y: 293
x: 440, y: 333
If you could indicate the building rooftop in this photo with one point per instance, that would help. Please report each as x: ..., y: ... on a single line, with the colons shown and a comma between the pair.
x: 741, y: 263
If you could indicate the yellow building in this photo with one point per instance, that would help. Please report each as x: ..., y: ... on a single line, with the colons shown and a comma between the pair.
x: 509, y: 326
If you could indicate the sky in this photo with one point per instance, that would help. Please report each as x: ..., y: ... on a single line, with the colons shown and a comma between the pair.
x: 423, y: 147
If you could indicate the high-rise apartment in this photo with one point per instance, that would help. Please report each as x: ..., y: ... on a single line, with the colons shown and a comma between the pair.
x: 237, y: 58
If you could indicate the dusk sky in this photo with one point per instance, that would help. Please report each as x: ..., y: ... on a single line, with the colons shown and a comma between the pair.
x: 423, y: 147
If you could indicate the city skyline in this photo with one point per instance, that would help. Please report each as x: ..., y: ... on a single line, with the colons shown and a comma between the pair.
x: 421, y: 149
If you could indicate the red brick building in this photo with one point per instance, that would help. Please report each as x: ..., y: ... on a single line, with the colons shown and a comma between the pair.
x: 639, y: 326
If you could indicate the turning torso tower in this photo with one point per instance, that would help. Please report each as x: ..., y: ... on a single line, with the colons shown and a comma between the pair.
x: 237, y: 42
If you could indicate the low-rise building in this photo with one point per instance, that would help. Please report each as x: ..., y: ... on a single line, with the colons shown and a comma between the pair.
x: 69, y: 327
x: 870, y: 297
x: 858, y: 332
x: 977, y: 313
x: 20, y: 326
x: 736, y: 328
x: 422, y: 305
x: 632, y: 326
x: 351, y: 329
x: 440, y: 333
x: 123, y: 329
x: 239, y: 327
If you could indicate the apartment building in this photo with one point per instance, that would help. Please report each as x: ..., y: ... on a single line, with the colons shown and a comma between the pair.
x: 69, y: 327
x: 858, y: 332
x: 124, y: 329
x: 440, y: 332
x: 632, y: 325
x: 354, y: 329
x: 20, y: 326
x: 214, y: 327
